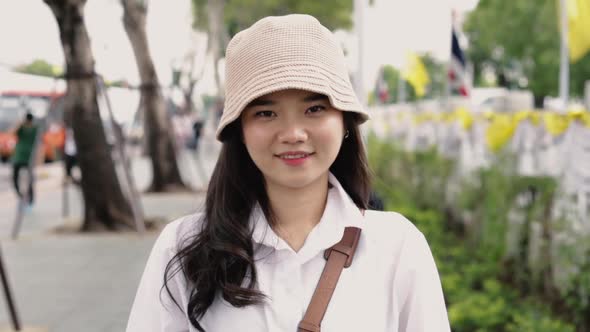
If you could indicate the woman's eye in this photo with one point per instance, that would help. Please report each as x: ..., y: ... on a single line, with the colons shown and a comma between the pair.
x: 315, y: 109
x: 264, y: 114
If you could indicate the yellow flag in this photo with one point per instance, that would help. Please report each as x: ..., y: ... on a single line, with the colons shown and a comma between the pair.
x: 578, y: 14
x: 416, y: 73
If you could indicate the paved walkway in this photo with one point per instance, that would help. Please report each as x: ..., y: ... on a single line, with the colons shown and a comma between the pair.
x: 79, y: 282
x: 82, y: 282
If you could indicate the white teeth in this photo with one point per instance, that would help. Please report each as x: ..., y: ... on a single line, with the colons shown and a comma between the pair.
x: 294, y: 156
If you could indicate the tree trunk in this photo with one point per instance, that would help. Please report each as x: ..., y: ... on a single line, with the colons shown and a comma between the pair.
x: 217, y: 37
x: 191, y: 77
x: 188, y: 96
x: 161, y: 147
x: 105, y: 205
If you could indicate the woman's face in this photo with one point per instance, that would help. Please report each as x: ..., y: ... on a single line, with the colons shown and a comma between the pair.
x: 293, y: 136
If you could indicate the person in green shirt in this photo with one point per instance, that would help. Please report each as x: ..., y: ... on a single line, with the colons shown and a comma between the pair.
x: 26, y: 135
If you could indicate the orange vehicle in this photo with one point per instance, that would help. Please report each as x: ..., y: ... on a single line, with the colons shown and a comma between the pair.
x: 46, y: 107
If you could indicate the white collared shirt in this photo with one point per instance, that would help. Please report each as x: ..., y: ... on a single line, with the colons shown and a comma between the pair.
x: 392, y: 285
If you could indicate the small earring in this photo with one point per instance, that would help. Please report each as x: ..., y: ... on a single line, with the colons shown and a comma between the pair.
x: 346, y: 135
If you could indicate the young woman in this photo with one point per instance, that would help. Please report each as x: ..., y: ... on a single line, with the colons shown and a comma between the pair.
x: 292, y: 174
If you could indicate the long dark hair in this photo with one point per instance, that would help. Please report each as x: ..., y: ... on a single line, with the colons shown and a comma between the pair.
x: 220, y: 257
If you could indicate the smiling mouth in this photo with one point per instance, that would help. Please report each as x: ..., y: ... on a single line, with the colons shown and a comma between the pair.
x: 297, y: 155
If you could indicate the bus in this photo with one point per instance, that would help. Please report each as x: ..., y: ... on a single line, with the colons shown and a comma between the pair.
x: 46, y: 107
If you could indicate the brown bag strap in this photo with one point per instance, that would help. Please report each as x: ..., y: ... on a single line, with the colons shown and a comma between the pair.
x: 339, y: 256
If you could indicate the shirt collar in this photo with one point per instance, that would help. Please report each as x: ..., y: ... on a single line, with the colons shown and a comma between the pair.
x: 340, y: 212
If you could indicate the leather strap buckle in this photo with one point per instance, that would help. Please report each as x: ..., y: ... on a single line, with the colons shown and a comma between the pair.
x: 346, y: 246
x: 316, y: 309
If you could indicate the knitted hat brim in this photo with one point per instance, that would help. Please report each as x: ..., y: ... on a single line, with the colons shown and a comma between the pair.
x: 308, y: 77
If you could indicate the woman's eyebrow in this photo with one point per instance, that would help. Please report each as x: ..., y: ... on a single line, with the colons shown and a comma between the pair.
x: 315, y: 97
x: 261, y: 102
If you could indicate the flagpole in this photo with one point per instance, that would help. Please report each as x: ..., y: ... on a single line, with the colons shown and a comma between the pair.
x: 359, y: 14
x: 447, y: 92
x: 564, y: 61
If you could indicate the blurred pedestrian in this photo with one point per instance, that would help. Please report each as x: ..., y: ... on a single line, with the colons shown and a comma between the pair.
x: 26, y: 135
x: 70, y: 156
x: 197, y: 129
x: 290, y: 190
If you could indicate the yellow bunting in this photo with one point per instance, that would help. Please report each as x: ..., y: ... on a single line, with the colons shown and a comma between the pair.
x: 464, y: 117
x: 580, y: 115
x: 535, y: 118
x: 499, y: 131
x: 488, y: 115
x: 531, y: 115
x: 556, y: 124
x: 521, y: 115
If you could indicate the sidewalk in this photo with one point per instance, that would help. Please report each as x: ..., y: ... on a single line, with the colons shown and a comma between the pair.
x: 83, y: 282
x: 80, y: 282
x: 49, y: 194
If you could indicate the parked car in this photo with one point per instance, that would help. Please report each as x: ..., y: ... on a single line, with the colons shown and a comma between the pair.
x: 46, y: 107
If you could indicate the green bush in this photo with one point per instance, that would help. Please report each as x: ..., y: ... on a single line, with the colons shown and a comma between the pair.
x: 536, y: 320
x: 485, y: 289
x: 478, y: 311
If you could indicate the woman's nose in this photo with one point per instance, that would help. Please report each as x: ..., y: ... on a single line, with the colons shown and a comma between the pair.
x: 292, y: 133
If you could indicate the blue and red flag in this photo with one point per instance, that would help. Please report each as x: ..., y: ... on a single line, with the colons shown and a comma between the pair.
x: 457, y: 68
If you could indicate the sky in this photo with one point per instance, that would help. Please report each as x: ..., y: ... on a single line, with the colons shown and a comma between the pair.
x: 28, y: 31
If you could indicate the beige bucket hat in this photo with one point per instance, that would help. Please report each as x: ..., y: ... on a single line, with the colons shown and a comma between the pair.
x: 285, y: 52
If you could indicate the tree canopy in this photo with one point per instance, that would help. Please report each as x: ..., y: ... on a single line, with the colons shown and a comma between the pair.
x: 240, y: 14
x: 39, y: 67
x: 519, y: 40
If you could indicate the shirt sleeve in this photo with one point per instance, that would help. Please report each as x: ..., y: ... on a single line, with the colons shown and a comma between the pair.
x: 153, y: 309
x: 419, y: 290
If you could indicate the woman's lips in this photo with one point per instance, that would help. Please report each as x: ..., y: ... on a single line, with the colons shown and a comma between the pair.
x: 295, y: 158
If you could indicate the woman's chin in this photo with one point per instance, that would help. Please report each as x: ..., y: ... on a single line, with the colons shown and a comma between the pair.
x: 296, y: 180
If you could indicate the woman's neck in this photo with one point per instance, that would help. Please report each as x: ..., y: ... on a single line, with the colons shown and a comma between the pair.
x: 297, y: 211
